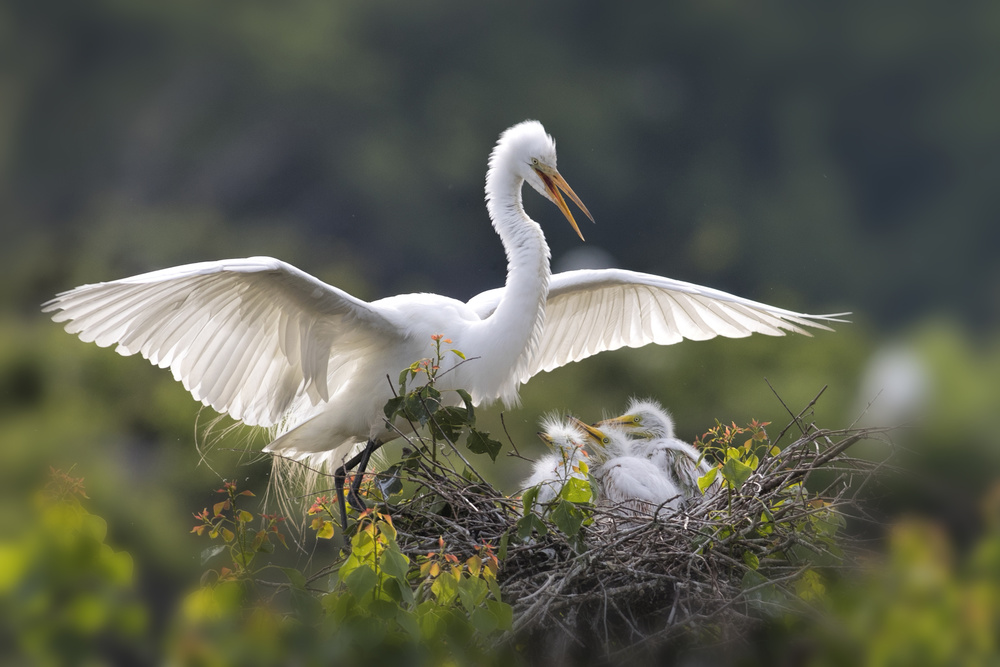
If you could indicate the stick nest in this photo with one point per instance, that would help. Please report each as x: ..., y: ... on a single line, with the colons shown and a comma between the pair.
x: 709, y: 571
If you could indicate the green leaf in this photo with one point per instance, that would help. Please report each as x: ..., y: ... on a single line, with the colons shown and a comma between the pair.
x: 296, y: 578
x: 479, y: 442
x: 460, y: 354
x: 502, y: 550
x: 449, y: 422
x: 397, y: 591
x: 504, y: 613
x: 484, y: 620
x: 529, y: 522
x: 567, y: 517
x: 392, y: 406
x: 444, y: 589
x: 395, y: 564
x: 750, y: 558
x: 361, y: 581
x: 469, y: 410
x: 472, y: 591
x: 528, y: 499
x: 736, y: 472
x: 576, y: 490
x: 408, y: 621
x: 706, y: 480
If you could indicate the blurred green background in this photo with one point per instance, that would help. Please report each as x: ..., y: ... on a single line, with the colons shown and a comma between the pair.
x: 819, y: 157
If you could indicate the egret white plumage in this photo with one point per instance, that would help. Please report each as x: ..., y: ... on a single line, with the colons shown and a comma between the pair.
x: 629, y: 481
x: 272, y: 346
x: 551, y: 472
x: 653, y: 431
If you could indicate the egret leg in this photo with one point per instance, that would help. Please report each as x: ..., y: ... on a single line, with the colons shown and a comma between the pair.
x: 359, y: 461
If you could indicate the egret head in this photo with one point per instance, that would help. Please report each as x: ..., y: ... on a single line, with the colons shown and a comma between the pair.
x: 608, y: 442
x: 530, y: 153
x: 643, y: 418
x: 562, y: 436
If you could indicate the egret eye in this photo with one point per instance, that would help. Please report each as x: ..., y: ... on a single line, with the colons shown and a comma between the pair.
x: 534, y: 162
x: 636, y: 420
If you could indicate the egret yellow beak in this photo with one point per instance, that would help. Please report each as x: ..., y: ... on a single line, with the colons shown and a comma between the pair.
x: 546, y: 438
x: 625, y: 421
x: 553, y: 184
x: 593, y: 433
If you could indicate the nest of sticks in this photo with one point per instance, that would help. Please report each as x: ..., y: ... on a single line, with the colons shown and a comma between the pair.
x: 710, y: 571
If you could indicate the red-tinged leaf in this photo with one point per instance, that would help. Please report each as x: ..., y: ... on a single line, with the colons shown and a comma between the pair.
x: 281, y: 538
x: 219, y: 507
x: 246, y: 493
x: 198, y: 529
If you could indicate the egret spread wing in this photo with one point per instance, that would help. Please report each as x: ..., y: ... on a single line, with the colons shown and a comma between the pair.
x: 246, y: 336
x: 590, y: 311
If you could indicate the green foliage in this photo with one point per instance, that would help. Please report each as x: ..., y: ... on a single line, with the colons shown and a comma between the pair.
x: 922, y: 603
x: 235, y: 527
x: 424, y: 405
x: 376, y: 603
x: 67, y: 596
x: 569, y: 512
x: 791, y: 528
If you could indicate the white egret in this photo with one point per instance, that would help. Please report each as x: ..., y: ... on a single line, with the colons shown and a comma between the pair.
x: 551, y: 472
x: 653, y: 430
x: 629, y: 481
x: 273, y: 346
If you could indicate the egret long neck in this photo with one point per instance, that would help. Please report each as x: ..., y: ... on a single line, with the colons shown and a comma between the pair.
x: 520, y: 314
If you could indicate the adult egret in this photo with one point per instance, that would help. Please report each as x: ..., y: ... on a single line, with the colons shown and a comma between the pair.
x: 653, y: 430
x: 629, y: 481
x: 553, y: 470
x: 273, y: 346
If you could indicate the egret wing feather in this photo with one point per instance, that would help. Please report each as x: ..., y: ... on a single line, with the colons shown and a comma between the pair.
x: 248, y: 337
x: 590, y: 311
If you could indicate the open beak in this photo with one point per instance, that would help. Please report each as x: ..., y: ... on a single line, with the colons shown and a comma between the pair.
x: 545, y: 438
x: 593, y: 433
x: 553, y: 184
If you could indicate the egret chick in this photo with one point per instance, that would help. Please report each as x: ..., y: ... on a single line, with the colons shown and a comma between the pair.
x: 628, y: 481
x: 553, y: 470
x: 652, y: 431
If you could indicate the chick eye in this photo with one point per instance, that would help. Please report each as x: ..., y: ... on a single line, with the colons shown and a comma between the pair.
x: 636, y: 420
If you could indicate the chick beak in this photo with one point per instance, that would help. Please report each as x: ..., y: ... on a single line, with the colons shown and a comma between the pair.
x: 593, y: 433
x: 625, y: 421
